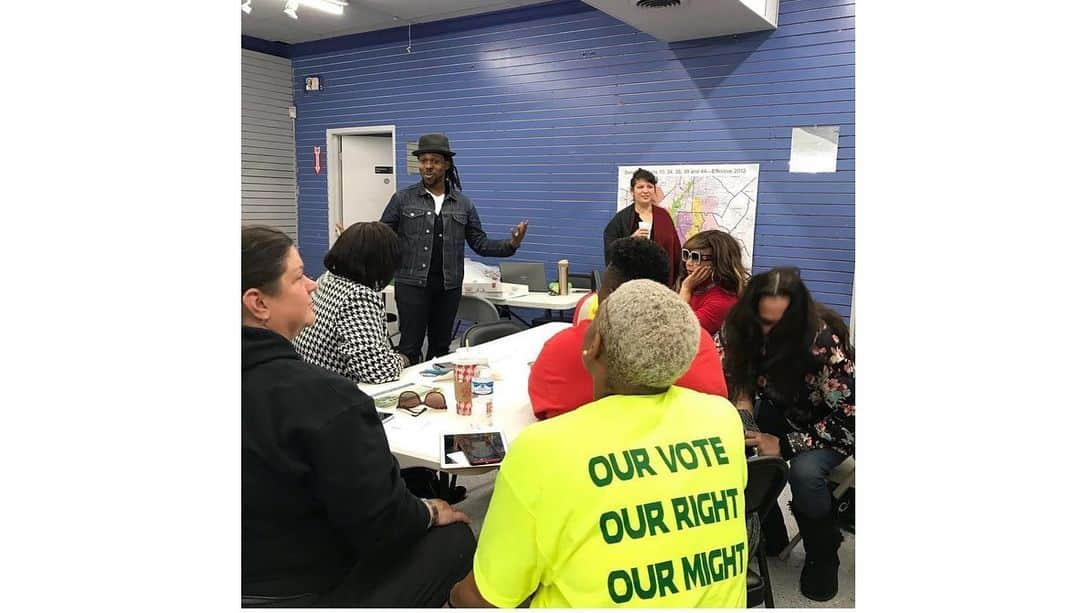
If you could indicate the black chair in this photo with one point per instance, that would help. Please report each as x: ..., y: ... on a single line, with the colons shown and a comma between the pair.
x: 489, y: 331
x: 766, y: 478
x: 578, y: 281
x: 476, y: 309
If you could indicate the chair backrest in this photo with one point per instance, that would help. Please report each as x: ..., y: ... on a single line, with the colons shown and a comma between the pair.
x: 582, y: 280
x: 476, y: 309
x: 766, y: 477
x: 489, y: 331
x: 584, y: 307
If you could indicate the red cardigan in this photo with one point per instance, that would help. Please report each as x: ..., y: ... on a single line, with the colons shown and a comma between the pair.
x: 711, y: 305
x: 559, y: 383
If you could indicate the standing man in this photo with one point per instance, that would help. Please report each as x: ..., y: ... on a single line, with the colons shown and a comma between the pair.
x: 434, y: 219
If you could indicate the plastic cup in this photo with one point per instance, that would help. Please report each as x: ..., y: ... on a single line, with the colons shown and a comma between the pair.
x: 464, y: 371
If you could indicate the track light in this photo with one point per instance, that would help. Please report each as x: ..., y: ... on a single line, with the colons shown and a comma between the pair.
x: 334, y: 7
x: 246, y: 7
x: 290, y: 8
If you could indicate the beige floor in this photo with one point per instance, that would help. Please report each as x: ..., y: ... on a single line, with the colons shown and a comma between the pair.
x: 785, y: 574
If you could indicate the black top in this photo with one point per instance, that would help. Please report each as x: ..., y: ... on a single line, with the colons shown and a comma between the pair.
x: 435, y: 271
x: 623, y: 224
x: 321, y: 491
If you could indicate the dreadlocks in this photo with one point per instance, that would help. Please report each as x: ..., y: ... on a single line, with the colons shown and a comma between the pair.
x: 452, y: 178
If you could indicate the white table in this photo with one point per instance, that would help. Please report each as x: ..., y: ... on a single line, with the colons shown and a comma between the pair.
x: 416, y: 441
x: 532, y: 300
x: 542, y: 300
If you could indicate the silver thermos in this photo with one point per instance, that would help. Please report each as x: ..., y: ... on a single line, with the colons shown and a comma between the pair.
x: 564, y: 273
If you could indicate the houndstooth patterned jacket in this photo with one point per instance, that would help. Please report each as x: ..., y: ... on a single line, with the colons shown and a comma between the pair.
x: 349, y: 335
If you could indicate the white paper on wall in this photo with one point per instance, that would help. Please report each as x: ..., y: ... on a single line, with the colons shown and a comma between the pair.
x: 813, y: 149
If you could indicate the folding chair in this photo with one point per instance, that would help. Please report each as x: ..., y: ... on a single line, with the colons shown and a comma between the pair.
x: 766, y: 478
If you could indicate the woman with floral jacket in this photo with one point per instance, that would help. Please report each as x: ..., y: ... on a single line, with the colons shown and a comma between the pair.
x: 791, y: 362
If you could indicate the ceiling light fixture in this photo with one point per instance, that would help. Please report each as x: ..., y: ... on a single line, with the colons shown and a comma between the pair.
x: 290, y: 8
x: 246, y: 7
x: 334, y: 7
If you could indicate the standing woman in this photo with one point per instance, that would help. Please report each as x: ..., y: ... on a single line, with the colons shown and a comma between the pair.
x: 712, y: 276
x: 660, y: 228
x: 791, y: 361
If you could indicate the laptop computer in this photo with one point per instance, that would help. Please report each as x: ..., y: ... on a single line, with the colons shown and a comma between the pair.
x: 525, y: 273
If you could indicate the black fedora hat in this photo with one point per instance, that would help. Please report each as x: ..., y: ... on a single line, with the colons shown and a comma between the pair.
x: 433, y: 143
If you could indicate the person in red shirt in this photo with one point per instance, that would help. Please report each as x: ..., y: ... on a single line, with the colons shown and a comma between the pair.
x: 712, y: 276
x: 558, y: 381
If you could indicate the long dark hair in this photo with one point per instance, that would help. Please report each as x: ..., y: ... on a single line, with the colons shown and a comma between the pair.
x: 263, y: 252
x: 784, y: 356
x: 367, y: 252
x: 729, y: 272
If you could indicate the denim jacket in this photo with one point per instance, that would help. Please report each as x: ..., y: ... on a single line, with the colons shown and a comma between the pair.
x: 411, y: 213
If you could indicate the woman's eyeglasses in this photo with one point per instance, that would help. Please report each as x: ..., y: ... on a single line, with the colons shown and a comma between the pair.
x: 410, y: 402
x: 695, y: 256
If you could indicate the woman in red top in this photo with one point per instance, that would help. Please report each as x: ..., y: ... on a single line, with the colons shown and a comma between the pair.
x: 712, y: 276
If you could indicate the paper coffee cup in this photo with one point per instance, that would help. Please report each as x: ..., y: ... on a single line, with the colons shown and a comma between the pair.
x: 645, y: 225
x: 465, y: 365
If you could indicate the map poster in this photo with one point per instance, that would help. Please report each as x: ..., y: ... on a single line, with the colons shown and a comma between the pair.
x: 704, y: 197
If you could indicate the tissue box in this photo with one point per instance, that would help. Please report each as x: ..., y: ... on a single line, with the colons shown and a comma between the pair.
x: 494, y: 289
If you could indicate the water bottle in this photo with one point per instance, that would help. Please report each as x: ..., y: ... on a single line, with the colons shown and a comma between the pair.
x: 564, y: 273
x: 483, y: 389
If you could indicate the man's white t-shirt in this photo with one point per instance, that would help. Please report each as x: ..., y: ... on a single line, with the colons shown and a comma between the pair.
x: 438, y: 201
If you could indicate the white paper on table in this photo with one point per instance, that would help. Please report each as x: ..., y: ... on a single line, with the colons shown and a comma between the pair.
x: 459, y: 458
x: 410, y: 434
x: 813, y: 149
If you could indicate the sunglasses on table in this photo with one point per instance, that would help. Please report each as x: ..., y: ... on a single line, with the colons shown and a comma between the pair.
x: 410, y: 402
x: 695, y: 256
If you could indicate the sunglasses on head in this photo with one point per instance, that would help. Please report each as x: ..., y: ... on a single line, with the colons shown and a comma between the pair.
x: 410, y: 402
x: 695, y: 256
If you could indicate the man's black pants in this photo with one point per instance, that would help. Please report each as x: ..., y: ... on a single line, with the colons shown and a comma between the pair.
x: 426, y: 311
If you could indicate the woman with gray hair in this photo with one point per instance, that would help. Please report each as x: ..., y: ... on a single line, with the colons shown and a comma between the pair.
x: 635, y: 499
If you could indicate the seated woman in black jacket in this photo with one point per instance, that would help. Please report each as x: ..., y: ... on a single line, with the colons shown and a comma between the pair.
x: 326, y: 519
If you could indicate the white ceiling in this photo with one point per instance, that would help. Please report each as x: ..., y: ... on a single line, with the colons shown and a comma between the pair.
x: 268, y: 22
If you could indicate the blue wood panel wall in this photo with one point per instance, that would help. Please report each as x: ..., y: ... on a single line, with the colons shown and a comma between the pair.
x: 542, y: 104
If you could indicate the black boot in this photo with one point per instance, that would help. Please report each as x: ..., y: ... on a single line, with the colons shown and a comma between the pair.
x: 774, y: 531
x: 821, y: 540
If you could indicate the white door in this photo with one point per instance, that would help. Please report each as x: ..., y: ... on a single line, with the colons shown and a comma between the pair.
x: 367, y: 180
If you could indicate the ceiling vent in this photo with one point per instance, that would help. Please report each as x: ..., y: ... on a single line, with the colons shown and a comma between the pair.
x: 675, y: 20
